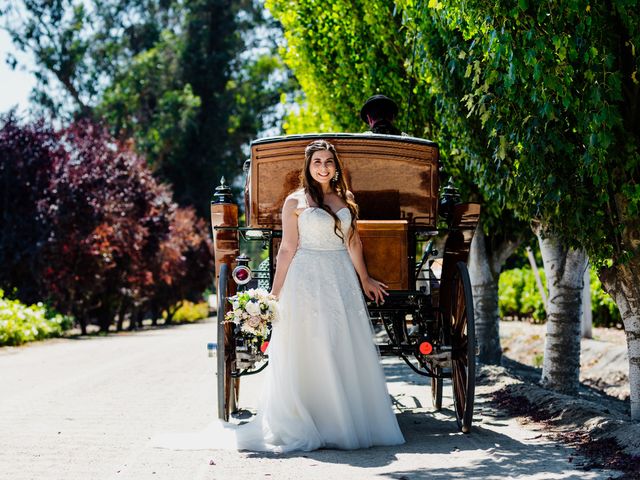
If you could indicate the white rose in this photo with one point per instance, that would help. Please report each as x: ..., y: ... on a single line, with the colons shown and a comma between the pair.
x: 273, y: 305
x: 252, y: 308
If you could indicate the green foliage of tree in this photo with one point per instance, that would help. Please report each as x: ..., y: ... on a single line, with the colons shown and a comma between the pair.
x: 189, y: 82
x: 79, y: 46
x: 556, y: 88
x: 148, y: 103
x: 343, y: 52
x: 560, y: 111
x: 519, y: 295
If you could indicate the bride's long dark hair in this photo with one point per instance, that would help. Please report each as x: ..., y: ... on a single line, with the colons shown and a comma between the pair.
x: 339, y: 186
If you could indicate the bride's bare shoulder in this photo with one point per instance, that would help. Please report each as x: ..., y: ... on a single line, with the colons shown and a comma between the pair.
x: 297, y: 198
x: 296, y: 201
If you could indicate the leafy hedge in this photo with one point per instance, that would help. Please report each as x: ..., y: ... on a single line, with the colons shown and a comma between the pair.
x: 20, y: 323
x: 519, y: 297
x: 605, y: 311
x: 189, y: 312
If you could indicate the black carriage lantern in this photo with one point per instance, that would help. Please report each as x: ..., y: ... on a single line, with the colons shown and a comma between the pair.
x: 450, y: 198
x: 223, y: 193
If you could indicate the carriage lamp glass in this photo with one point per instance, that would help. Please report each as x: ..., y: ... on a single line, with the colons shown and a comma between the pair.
x: 241, y: 274
x: 425, y: 348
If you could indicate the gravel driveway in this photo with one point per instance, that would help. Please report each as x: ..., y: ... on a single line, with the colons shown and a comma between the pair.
x: 86, y: 408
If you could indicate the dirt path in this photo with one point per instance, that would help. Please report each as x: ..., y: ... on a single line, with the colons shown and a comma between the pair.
x: 603, y: 359
x: 86, y: 409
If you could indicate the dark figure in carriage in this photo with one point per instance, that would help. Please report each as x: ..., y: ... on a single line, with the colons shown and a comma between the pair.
x: 379, y: 112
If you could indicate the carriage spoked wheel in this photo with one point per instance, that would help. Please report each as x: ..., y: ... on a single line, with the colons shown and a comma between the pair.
x: 227, y: 385
x: 463, y: 367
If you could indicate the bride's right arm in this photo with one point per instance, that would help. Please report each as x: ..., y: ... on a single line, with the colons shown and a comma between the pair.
x: 288, y: 246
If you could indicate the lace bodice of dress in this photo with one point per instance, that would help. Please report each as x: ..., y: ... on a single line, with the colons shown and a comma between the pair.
x: 316, y: 229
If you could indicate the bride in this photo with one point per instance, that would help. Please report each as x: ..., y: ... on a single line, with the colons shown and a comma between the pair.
x: 325, y: 386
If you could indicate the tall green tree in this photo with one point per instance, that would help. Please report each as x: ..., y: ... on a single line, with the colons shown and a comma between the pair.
x: 210, y: 43
x: 186, y: 81
x: 438, y: 64
x: 344, y: 54
x: 79, y: 46
x: 562, y: 115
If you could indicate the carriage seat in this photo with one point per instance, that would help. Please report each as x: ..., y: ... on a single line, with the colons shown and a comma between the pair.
x: 385, y: 248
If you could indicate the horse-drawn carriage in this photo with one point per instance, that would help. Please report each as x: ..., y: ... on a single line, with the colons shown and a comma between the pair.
x: 413, y: 241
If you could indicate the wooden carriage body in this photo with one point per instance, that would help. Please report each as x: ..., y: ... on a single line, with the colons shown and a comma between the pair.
x: 395, y: 181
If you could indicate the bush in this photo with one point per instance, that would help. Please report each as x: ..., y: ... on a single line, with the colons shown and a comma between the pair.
x: 28, y: 155
x: 106, y: 216
x: 86, y: 226
x: 605, y: 311
x: 184, y: 265
x: 189, y: 312
x: 519, y: 297
x: 20, y: 323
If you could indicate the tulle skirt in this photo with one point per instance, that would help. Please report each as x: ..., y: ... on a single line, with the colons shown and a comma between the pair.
x: 324, y: 386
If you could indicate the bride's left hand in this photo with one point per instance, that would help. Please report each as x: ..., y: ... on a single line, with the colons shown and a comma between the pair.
x: 374, y: 290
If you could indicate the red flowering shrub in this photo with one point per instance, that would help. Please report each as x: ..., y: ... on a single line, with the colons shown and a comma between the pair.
x: 185, y: 264
x: 27, y: 156
x: 110, y: 238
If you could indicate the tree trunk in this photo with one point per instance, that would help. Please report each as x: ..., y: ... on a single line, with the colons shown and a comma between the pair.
x: 136, y: 318
x: 104, y: 319
x: 83, y: 325
x: 564, y: 269
x: 484, y: 269
x: 622, y: 282
x: 122, y: 311
x: 587, y: 314
x: 536, y: 273
x: 155, y: 313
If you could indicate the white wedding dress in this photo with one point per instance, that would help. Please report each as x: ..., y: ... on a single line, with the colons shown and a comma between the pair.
x: 324, y: 385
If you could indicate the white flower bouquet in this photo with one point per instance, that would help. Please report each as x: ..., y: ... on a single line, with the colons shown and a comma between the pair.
x: 253, y: 311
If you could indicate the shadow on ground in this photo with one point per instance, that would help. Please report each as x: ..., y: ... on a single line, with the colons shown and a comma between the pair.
x: 493, y: 455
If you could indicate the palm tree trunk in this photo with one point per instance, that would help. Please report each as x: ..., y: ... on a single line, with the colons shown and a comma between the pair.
x: 564, y: 270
